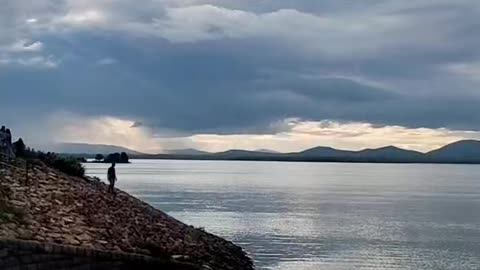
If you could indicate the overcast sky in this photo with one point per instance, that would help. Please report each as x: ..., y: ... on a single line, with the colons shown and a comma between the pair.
x: 218, y: 74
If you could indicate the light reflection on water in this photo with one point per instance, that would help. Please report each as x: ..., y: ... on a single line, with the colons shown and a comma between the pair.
x: 322, y: 215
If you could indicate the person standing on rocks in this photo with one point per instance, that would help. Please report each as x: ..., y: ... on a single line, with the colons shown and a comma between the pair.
x: 9, y: 145
x: 3, y: 137
x: 112, y: 178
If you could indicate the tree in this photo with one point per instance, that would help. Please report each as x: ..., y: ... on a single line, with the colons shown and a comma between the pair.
x: 117, y: 158
x: 20, y: 148
x: 123, y: 157
x: 99, y: 157
x: 113, y: 157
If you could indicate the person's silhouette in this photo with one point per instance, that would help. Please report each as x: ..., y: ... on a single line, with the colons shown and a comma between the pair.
x: 112, y: 178
x: 3, y: 138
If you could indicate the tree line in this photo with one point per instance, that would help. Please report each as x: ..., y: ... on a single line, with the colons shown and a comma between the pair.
x: 69, y: 165
x: 113, y: 157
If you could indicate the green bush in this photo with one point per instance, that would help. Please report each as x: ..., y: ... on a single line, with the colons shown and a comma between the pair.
x: 70, y: 166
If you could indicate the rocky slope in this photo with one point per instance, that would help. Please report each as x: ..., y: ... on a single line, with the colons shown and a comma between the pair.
x: 57, y: 208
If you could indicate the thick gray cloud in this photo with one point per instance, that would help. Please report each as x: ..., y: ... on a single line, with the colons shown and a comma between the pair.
x: 239, y: 66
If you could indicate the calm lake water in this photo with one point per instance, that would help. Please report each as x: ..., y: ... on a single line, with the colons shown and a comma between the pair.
x: 307, y: 216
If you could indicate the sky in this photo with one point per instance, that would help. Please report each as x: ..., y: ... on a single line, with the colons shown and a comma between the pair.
x: 284, y: 75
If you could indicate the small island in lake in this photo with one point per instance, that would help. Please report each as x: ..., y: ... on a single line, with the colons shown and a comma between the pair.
x: 112, y: 158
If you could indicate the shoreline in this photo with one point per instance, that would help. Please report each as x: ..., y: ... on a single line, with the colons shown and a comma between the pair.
x: 297, y: 161
x: 60, y: 209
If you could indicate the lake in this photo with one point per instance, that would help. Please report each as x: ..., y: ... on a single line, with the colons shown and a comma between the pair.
x: 307, y: 216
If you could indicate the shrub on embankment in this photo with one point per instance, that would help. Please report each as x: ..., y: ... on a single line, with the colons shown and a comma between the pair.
x: 68, y: 165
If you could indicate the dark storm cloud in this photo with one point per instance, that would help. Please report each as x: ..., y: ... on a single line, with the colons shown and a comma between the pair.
x: 382, y: 62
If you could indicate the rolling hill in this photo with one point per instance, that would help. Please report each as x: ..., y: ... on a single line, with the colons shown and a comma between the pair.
x: 390, y: 154
x: 461, y: 151
x: 324, y: 152
x: 188, y: 151
x: 467, y: 151
x: 244, y: 154
x: 88, y: 149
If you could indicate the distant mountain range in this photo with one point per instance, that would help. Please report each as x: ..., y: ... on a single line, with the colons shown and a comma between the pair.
x: 88, y: 149
x: 384, y: 154
x: 188, y: 151
x: 467, y: 151
x: 462, y: 151
x: 267, y: 151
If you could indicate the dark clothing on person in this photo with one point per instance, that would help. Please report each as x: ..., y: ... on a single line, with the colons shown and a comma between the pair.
x: 112, y: 178
x: 3, y: 138
x: 6, y: 146
x: 111, y: 173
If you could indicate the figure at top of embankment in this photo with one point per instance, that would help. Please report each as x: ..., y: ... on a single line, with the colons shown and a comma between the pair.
x: 6, y: 146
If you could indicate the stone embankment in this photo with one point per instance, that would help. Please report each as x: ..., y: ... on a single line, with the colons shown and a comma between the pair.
x: 59, y: 209
x: 32, y: 255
